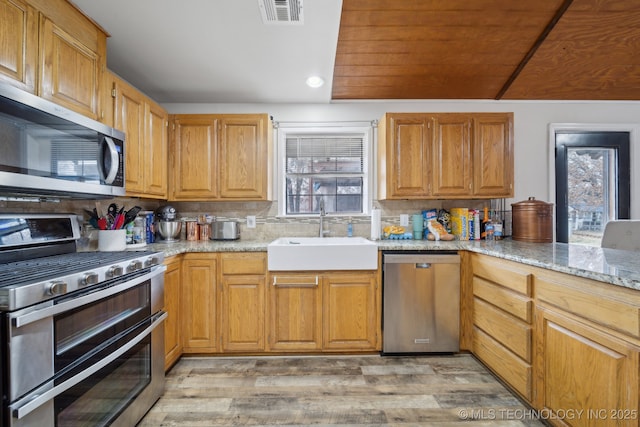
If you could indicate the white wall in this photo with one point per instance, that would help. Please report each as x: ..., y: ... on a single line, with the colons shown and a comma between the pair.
x: 533, y: 171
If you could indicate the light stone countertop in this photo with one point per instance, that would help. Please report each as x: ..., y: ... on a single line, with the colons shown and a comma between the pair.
x: 617, y: 267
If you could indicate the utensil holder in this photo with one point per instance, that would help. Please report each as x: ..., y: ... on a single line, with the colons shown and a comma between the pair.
x: 112, y: 240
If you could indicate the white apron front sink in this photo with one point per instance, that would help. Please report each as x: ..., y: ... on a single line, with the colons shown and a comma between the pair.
x: 322, y: 253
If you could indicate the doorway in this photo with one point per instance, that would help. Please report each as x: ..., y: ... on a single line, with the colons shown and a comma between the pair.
x: 592, y: 183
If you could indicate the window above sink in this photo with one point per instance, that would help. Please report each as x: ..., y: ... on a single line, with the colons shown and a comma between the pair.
x: 324, y: 161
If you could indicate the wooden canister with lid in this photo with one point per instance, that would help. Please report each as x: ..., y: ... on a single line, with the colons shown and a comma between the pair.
x: 532, y: 221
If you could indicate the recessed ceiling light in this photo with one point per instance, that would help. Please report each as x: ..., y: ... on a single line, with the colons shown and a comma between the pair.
x: 315, y: 81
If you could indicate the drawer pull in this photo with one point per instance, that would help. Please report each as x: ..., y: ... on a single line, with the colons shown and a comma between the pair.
x: 292, y: 284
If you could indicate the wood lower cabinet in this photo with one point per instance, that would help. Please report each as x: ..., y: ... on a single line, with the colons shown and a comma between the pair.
x: 199, y: 302
x: 570, y: 346
x: 585, y: 370
x: 295, y: 312
x: 350, y: 320
x: 242, y: 301
x: 172, y: 305
x: 502, y: 317
x: 324, y: 311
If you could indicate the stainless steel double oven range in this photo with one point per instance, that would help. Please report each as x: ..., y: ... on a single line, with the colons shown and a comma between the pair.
x: 82, y: 332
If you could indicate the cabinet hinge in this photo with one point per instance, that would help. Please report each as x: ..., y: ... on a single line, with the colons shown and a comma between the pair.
x: 113, y: 93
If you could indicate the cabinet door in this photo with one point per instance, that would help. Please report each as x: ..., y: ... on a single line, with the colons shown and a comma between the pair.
x: 493, y: 155
x: 194, y: 158
x: 71, y: 71
x: 155, y: 151
x: 295, y: 312
x: 19, y: 47
x: 172, y: 300
x: 582, y: 368
x: 129, y: 117
x: 350, y: 311
x: 243, y: 157
x: 408, y: 156
x: 199, y: 307
x: 242, y: 313
x: 452, y: 167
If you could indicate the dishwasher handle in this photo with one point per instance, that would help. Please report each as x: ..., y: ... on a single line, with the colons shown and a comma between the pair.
x: 421, y: 259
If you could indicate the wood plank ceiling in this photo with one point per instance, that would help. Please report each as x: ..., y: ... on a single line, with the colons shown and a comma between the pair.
x: 488, y: 49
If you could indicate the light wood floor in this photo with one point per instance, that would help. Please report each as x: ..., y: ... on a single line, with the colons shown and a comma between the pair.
x: 335, y: 390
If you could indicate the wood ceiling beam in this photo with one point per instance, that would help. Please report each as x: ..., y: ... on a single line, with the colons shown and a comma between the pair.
x: 556, y: 17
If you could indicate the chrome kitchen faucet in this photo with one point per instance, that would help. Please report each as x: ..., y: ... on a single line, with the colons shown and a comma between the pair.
x: 323, y: 213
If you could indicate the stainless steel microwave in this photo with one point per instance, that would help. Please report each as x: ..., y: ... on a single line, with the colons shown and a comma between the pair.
x: 48, y: 150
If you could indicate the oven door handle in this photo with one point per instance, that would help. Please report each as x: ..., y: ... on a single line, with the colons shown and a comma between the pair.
x: 19, y: 410
x: 53, y: 310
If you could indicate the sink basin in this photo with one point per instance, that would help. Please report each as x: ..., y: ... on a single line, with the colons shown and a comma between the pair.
x: 326, y: 253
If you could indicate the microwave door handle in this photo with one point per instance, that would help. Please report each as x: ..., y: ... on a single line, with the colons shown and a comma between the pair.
x: 109, y: 147
x: 52, y: 310
x: 20, y: 411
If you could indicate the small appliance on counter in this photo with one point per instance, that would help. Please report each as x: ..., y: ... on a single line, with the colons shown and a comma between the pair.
x: 167, y: 225
x: 224, y: 230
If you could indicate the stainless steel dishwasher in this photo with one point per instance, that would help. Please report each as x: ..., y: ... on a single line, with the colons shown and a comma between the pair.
x: 421, y: 303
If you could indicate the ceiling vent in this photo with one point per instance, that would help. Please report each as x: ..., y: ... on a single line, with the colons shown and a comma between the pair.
x: 281, y: 11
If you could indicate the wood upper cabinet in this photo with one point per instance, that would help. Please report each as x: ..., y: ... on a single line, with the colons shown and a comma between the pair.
x: 51, y: 49
x: 445, y: 155
x: 350, y: 314
x: 72, y: 58
x: 452, y: 162
x: 19, y: 47
x: 243, y: 157
x: 145, y: 125
x: 295, y: 311
x: 493, y: 154
x: 156, y: 149
x: 242, y: 301
x: 221, y: 157
x: 404, y: 156
x: 193, y: 158
x: 172, y: 305
x: 199, y: 302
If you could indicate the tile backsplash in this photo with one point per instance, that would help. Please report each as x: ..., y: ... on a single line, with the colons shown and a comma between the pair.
x: 268, y: 224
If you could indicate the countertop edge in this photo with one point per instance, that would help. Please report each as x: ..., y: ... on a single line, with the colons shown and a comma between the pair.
x: 610, y: 266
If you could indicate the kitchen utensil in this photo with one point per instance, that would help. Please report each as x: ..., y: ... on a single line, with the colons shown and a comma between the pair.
x: 119, y: 221
x: 102, y: 223
x: 131, y: 214
x: 169, y: 230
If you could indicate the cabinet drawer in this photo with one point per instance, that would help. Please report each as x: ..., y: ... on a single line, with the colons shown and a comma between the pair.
x: 511, y: 368
x: 504, y: 273
x: 509, y: 301
x: 243, y: 263
x: 616, y: 308
x: 510, y: 332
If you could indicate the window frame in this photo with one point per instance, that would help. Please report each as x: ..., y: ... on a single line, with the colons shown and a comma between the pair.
x: 634, y: 156
x: 360, y: 129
